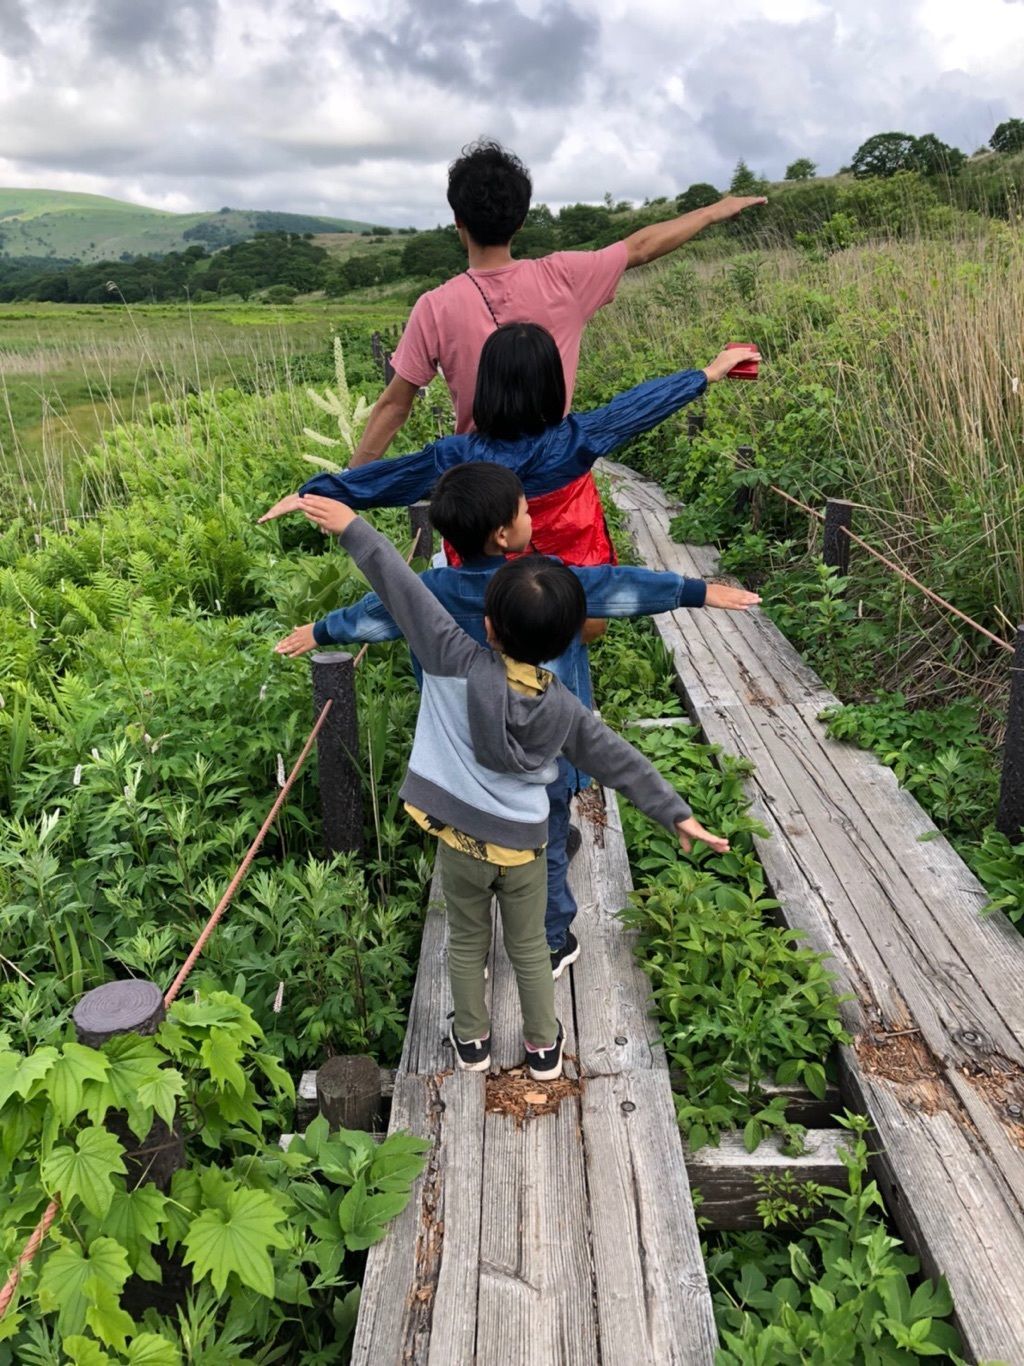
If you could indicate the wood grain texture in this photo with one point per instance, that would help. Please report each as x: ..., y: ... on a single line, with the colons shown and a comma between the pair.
x: 936, y: 1008
x: 653, y: 1301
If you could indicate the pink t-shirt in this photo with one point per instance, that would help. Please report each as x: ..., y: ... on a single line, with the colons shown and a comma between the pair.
x: 449, y: 325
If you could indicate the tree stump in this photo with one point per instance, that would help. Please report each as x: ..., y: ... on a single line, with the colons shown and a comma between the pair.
x: 348, y: 1092
x: 132, y: 1007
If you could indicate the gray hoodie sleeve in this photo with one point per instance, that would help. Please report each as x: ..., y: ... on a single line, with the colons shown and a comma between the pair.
x: 614, y: 762
x: 442, y: 646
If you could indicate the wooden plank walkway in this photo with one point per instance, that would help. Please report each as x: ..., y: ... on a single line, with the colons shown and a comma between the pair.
x: 570, y: 1239
x: 937, y: 1012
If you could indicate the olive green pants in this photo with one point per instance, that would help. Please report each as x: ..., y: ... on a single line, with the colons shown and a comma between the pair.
x: 469, y: 884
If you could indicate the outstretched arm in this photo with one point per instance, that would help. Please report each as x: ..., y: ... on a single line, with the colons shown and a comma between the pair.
x: 441, y: 645
x: 569, y: 450
x: 647, y: 244
x: 381, y: 484
x: 389, y: 414
x: 615, y: 763
x: 632, y: 591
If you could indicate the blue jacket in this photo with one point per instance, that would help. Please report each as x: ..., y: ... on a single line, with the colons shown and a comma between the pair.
x: 556, y: 457
x: 612, y: 591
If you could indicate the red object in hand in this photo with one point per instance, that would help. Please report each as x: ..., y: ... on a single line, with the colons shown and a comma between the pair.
x: 747, y: 369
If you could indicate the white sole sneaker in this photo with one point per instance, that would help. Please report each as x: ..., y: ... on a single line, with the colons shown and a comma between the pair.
x: 546, y: 1065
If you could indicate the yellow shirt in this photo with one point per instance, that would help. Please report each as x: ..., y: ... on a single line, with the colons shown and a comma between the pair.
x: 530, y: 680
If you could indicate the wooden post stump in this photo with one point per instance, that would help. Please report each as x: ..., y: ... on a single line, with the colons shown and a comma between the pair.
x: 744, y: 494
x: 422, y: 531
x: 376, y: 348
x: 348, y: 1092
x: 694, y: 422
x: 132, y: 1007
x: 337, y: 747
x: 1010, y: 818
x: 389, y: 369
x: 835, y: 549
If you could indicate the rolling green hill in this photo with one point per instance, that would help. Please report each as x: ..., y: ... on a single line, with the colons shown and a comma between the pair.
x: 87, y: 227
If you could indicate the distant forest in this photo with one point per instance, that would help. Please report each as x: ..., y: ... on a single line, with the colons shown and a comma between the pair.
x: 895, y: 184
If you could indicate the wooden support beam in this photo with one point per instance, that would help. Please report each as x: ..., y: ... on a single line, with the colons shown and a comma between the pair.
x: 337, y: 748
x: 348, y: 1092
x: 835, y: 548
x: 726, y: 1177
x: 1010, y: 818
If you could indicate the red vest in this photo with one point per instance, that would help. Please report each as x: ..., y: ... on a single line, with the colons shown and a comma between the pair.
x: 569, y: 524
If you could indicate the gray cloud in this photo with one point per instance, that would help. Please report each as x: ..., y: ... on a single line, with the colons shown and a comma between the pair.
x: 488, y: 47
x: 339, y: 108
x: 17, y: 36
x: 153, y: 29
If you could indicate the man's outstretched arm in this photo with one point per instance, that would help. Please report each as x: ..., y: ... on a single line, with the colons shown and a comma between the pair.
x: 647, y: 244
x: 388, y: 416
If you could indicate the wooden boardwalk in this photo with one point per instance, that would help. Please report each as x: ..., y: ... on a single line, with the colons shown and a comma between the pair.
x: 568, y: 1238
x: 937, y: 1012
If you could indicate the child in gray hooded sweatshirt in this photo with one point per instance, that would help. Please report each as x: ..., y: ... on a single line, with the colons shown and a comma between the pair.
x: 490, y: 728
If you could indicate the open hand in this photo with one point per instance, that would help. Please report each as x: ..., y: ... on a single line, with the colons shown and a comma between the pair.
x: 328, y: 514
x: 298, y: 642
x: 734, y: 204
x: 690, y: 830
x: 732, y: 599
x: 727, y: 360
x: 291, y: 503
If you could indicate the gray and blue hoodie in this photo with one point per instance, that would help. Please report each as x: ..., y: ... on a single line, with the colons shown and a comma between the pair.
x: 483, y: 753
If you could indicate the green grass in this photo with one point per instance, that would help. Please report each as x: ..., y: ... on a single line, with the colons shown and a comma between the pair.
x: 90, y: 227
x: 69, y: 373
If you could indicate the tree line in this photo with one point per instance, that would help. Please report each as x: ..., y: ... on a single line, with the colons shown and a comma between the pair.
x: 896, y: 178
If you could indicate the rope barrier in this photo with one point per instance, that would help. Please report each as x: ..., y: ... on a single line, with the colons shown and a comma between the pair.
x: 41, y: 1229
x: 898, y: 569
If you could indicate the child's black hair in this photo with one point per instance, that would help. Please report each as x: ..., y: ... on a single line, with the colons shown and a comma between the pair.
x: 489, y: 192
x: 471, y: 502
x: 520, y: 383
x: 536, y: 606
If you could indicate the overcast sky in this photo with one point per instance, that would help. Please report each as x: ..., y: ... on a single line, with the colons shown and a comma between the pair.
x: 355, y: 107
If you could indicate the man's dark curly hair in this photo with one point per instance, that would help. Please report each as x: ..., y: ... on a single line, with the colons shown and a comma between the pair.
x: 489, y: 191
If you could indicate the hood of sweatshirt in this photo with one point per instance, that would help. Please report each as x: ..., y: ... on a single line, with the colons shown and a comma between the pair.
x: 512, y: 732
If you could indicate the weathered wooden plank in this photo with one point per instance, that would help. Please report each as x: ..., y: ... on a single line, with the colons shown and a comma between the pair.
x: 937, y: 1009
x: 726, y: 1177
x: 653, y: 1301
x: 419, y: 1291
x: 536, y: 1289
x: 425, y: 1051
x: 615, y: 1028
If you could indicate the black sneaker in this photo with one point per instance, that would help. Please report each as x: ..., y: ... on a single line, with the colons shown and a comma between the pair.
x: 573, y: 843
x: 545, y: 1064
x: 561, y: 958
x: 473, y: 1055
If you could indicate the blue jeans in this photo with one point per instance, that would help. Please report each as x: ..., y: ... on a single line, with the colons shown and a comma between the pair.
x: 561, y: 908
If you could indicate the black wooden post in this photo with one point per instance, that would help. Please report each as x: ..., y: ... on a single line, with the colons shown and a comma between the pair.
x: 439, y: 416
x: 389, y: 369
x: 835, y: 549
x: 422, y: 531
x: 376, y: 348
x: 337, y: 747
x: 1010, y: 818
x: 744, y: 494
x: 132, y: 1007
x: 348, y: 1092
x: 694, y: 422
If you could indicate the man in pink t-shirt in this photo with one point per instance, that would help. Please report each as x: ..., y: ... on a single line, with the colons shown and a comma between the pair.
x: 489, y: 192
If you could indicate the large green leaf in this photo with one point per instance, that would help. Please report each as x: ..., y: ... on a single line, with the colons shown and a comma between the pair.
x: 363, y: 1218
x: 134, y: 1063
x: 71, y: 1279
x: 85, y: 1351
x: 161, y: 1092
x: 221, y: 1053
x: 219, y: 1243
x: 85, y: 1171
x: 148, y: 1349
x: 106, y: 1318
x: 135, y: 1219
x: 66, y: 1082
x: 18, y: 1073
